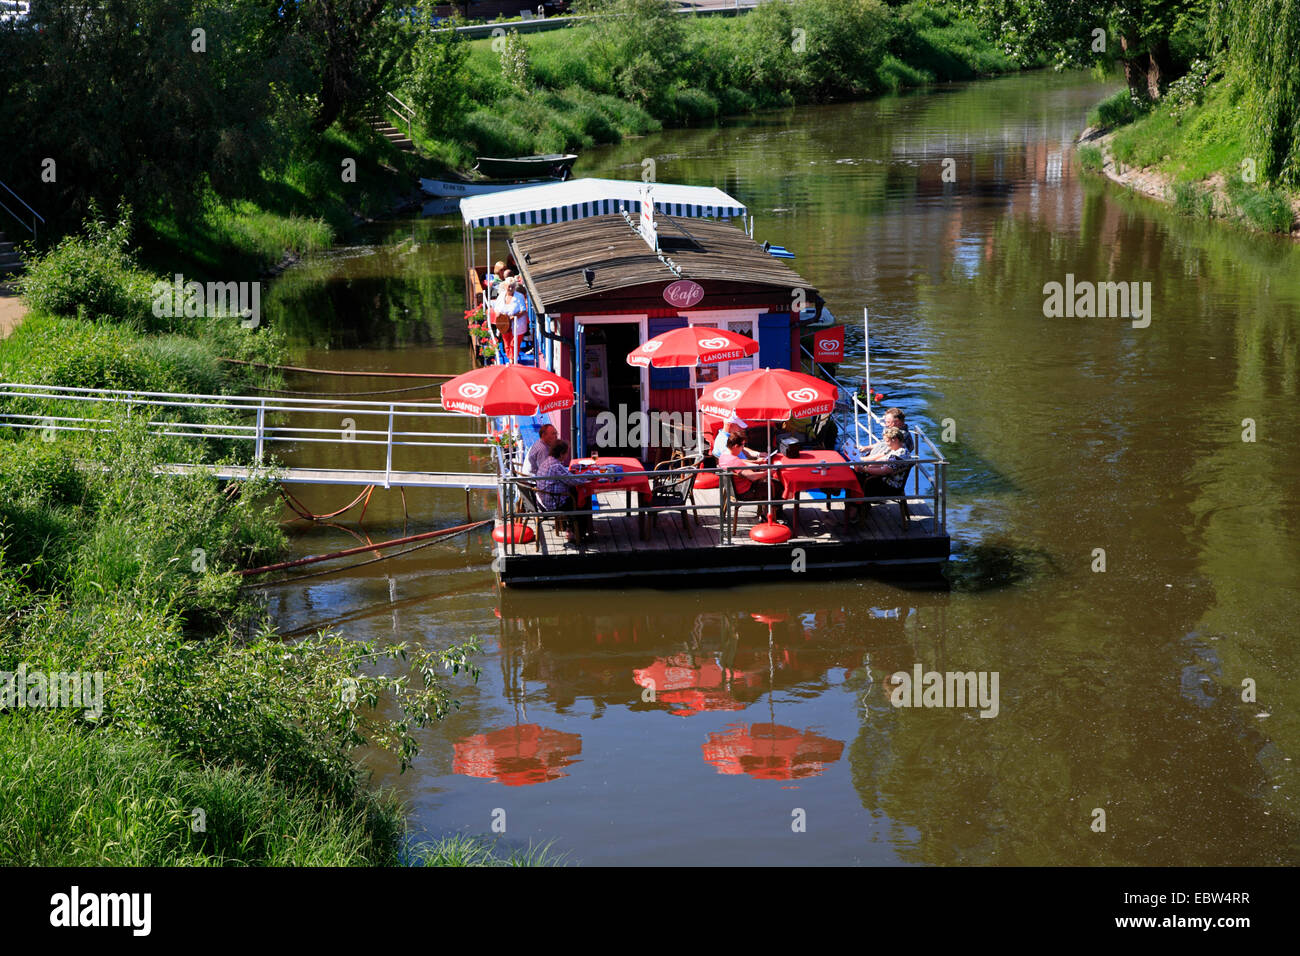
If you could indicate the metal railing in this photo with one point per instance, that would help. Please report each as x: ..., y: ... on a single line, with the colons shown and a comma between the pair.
x: 508, y: 498
x: 404, y: 111
x: 260, y: 427
x: 935, y: 476
x: 36, y: 217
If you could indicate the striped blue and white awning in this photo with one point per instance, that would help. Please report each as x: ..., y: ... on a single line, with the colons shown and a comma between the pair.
x: 580, y: 198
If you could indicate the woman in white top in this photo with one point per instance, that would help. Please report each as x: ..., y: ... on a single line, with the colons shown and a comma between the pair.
x: 510, y: 302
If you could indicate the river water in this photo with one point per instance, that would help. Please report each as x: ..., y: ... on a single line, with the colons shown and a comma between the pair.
x: 1157, y: 696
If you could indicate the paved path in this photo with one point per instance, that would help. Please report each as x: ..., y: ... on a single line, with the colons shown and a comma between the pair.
x: 12, y: 310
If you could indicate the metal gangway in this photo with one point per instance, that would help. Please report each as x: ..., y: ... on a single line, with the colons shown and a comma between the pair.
x: 251, y: 430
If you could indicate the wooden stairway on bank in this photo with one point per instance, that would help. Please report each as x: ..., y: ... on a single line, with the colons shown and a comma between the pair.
x: 10, y: 261
x: 391, y: 133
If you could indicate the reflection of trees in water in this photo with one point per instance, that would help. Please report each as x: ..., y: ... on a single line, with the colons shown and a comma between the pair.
x: 404, y: 292
x: 1082, y: 723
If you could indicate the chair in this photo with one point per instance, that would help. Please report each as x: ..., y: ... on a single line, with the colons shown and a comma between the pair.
x: 901, y: 495
x: 824, y: 432
x: 533, y: 511
x: 731, y: 503
x: 674, y: 491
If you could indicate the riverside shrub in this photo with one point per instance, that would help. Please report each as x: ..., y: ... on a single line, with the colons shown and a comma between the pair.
x: 93, y: 274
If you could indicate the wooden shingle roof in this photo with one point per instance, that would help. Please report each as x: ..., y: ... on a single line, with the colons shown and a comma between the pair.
x: 716, y: 255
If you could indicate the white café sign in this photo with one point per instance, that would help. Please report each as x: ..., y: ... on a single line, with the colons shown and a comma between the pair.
x: 648, y: 216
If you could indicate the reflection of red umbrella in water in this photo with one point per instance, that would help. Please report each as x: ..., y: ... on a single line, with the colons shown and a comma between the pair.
x: 517, y: 756
x: 771, y: 751
x: 694, y: 688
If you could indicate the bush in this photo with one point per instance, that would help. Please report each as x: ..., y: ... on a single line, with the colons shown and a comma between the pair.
x: 93, y: 274
x: 1187, y: 92
x: 1118, y: 109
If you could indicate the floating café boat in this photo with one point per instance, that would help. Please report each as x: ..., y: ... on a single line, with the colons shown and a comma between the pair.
x: 608, y: 269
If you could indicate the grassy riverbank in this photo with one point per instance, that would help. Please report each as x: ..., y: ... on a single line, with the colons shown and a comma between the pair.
x: 197, y: 736
x: 1192, y: 149
x: 568, y: 90
x: 641, y: 69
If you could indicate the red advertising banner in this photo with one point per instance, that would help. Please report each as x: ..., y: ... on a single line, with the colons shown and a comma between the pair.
x: 828, y: 344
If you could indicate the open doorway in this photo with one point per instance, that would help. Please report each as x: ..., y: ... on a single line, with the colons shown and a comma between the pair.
x: 612, y: 397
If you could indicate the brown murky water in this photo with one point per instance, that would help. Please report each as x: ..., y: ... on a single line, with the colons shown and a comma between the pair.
x: 1120, y: 690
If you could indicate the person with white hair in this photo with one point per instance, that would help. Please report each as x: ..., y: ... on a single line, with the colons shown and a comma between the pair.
x: 510, y: 303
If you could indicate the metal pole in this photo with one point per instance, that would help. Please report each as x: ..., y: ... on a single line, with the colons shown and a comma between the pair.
x: 866, y: 345
x: 261, y: 424
x: 388, y: 465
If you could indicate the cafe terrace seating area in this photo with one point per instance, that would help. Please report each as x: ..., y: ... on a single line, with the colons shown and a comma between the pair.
x: 681, y: 505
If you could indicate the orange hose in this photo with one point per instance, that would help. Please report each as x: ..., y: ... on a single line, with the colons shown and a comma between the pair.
x: 365, y: 547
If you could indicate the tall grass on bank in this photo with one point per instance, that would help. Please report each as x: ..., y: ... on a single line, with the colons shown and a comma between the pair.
x: 1199, y: 135
x: 595, y: 84
x: 108, y: 566
x: 70, y: 796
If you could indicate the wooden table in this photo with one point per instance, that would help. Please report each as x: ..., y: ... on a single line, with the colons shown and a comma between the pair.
x: 836, y: 475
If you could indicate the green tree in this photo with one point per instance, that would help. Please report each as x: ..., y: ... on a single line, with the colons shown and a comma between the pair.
x: 1260, y: 41
x: 1080, y: 33
x: 435, y: 75
x: 640, y: 45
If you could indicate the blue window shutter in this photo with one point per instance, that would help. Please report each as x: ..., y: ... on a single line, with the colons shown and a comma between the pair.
x: 774, y: 340
x: 667, y: 377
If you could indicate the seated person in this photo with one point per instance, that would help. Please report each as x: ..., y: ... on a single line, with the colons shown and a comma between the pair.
x: 557, y: 490
x: 748, y: 484
x: 733, y: 426
x: 893, y: 418
x: 494, y: 277
x: 884, y: 475
x: 547, y: 436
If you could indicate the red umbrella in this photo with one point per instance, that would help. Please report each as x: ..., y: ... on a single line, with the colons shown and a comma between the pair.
x: 769, y: 394
x: 507, y: 390
x: 692, y: 345
x: 517, y: 756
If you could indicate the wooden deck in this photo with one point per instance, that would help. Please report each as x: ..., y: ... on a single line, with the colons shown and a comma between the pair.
x: 672, y: 554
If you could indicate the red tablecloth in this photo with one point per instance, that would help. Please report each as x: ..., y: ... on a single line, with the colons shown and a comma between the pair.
x: 838, y: 474
x: 640, y: 484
